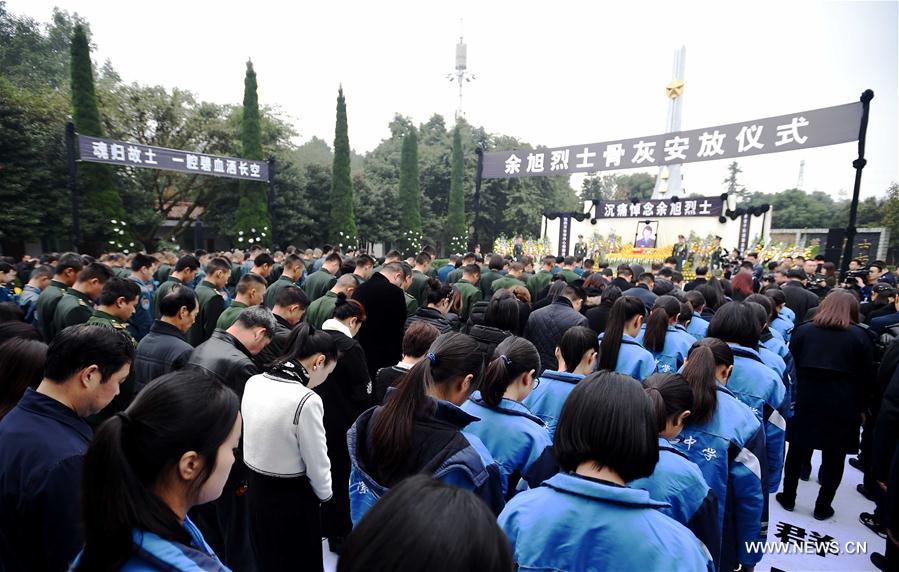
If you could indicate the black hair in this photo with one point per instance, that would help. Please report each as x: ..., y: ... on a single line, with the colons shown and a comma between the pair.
x: 511, y: 358
x: 646, y: 277
x: 290, y: 295
x: 17, y: 329
x: 263, y: 259
x: 41, y: 271
x: 364, y: 260
x: 695, y: 299
x: 77, y: 347
x: 95, y: 270
x: 345, y: 308
x: 761, y: 315
x: 671, y: 260
x: 451, y: 356
x: 334, y: 257
x: 624, y: 270
x: 22, y: 361
x: 69, y: 260
x: 623, y: 310
x: 685, y: 314
x: 293, y: 261
x: 142, y: 260
x: 502, y: 311
x: 670, y: 395
x: 496, y: 262
x: 777, y: 295
x: 422, y: 259
x: 11, y: 312
x: 471, y: 270
x: 217, y: 263
x: 711, y: 294
x: 248, y: 281
x: 175, y: 299
x: 134, y: 452
x: 702, y: 270
x: 418, y: 338
x: 438, y: 291
x: 705, y: 355
x: 576, y: 342
x: 608, y: 420
x: 116, y: 288
x: 666, y: 272
x: 187, y: 262
x: 568, y: 261
x: 735, y: 323
x: 665, y: 308
x: 305, y: 341
x: 610, y: 294
x: 424, y: 525
x: 765, y: 302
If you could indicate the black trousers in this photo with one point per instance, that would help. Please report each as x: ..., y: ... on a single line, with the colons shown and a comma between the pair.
x: 830, y: 473
x: 285, y: 524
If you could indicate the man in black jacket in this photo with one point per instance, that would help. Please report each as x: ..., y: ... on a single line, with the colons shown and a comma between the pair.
x: 798, y: 298
x: 381, y: 335
x: 290, y: 307
x: 701, y: 273
x: 643, y: 290
x: 624, y: 278
x: 228, y: 356
x: 165, y: 348
x: 547, y: 325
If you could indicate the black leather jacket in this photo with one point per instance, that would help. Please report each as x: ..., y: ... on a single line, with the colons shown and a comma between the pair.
x: 226, y: 359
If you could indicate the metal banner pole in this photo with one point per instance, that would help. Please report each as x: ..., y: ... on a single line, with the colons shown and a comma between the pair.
x: 858, y: 164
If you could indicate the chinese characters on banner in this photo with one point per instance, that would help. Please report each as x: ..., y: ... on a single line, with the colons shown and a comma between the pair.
x: 661, y: 208
x: 807, y: 129
x: 743, y: 243
x: 564, y: 232
x: 97, y: 150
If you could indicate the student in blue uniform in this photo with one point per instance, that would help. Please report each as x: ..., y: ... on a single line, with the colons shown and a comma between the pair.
x: 784, y: 318
x: 419, y: 429
x: 698, y: 325
x: 773, y: 341
x: 726, y: 441
x: 770, y: 357
x: 586, y: 518
x: 172, y: 449
x: 753, y: 382
x: 619, y: 349
x: 516, y: 438
x: 660, y: 336
x: 676, y: 480
x: 576, y: 355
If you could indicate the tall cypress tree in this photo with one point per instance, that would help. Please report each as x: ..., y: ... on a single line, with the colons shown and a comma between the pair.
x: 343, y: 220
x: 252, y: 221
x: 101, y: 206
x: 410, y: 196
x: 455, y: 216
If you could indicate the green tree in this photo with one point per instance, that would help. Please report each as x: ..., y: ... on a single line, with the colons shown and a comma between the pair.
x: 733, y: 185
x: 410, y: 195
x: 635, y: 185
x: 455, y: 218
x: 343, y: 222
x: 101, y: 207
x: 252, y: 219
x: 602, y: 187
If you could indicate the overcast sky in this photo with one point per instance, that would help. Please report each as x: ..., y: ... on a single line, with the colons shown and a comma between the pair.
x: 550, y: 73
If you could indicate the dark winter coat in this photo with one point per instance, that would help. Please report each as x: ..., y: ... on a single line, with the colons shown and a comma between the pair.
x: 546, y: 327
x: 163, y: 350
x: 226, y: 359
x: 799, y: 299
x: 488, y: 338
x: 835, y: 377
x: 381, y: 335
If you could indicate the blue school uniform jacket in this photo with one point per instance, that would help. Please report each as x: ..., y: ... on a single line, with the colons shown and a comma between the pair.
x: 517, y: 440
x: 674, y: 351
x: 783, y: 325
x: 698, y: 326
x: 729, y: 450
x: 677, y: 481
x: 577, y: 523
x: 547, y: 399
x: 443, y: 449
x: 633, y: 359
x: 775, y: 343
x: 761, y: 388
x: 789, y: 314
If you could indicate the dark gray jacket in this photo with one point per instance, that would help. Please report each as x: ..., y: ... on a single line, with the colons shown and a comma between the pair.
x: 546, y: 326
x: 162, y: 350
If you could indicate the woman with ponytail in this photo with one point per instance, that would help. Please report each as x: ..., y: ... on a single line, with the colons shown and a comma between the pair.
x: 172, y: 449
x: 438, y: 302
x: 727, y: 442
x: 346, y: 395
x: 677, y: 480
x: 753, y: 381
x: 576, y: 355
x: 419, y: 430
x: 285, y: 449
x: 619, y: 349
x: 668, y: 345
x: 516, y: 438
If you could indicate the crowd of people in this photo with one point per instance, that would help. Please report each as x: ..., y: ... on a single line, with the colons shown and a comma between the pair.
x: 229, y: 411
